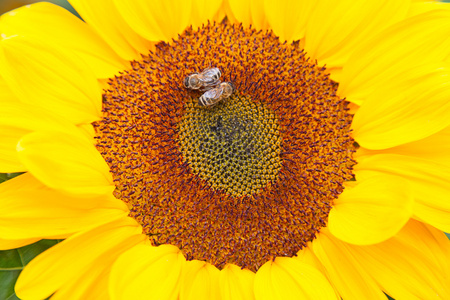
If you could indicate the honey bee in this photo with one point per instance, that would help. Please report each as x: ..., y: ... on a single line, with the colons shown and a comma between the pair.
x: 208, y: 78
x: 213, y: 96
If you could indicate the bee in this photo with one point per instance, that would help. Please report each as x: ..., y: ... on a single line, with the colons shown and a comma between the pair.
x: 213, y: 96
x: 205, y: 80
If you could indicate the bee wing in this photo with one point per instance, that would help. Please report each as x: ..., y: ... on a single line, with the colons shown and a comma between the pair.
x: 209, y: 71
x: 210, y: 76
x: 214, y: 93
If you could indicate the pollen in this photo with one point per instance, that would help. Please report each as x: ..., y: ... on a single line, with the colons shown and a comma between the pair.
x: 246, y: 180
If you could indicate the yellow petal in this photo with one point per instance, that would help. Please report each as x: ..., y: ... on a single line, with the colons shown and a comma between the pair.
x: 156, y: 20
x: 19, y: 119
x: 204, y: 10
x: 200, y: 281
x: 65, y: 162
x: 249, y: 12
x: 413, y: 42
x: 9, y: 162
x: 88, y: 131
x: 335, y: 28
x: 429, y: 182
x: 371, y: 212
x: 435, y: 147
x: 6, y: 244
x: 93, y: 282
x: 56, y: 26
x: 68, y: 260
x: 221, y: 14
x: 420, y: 7
x: 288, y: 19
x: 27, y: 182
x: 431, y: 242
x: 406, y: 109
x: 51, y: 78
x: 236, y: 283
x: 6, y: 94
x: 288, y: 278
x: 39, y: 221
x: 342, y: 270
x: 229, y: 13
x: 32, y: 210
x: 306, y: 255
x: 106, y: 20
x: 147, y: 272
x: 405, y: 267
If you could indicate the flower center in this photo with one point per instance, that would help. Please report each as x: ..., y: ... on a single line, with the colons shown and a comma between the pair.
x: 245, y: 180
x: 234, y: 146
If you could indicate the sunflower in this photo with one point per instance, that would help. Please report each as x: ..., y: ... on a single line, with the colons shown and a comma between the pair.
x: 309, y: 161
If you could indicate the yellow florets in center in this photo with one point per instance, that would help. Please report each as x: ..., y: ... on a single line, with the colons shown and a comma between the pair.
x: 234, y: 145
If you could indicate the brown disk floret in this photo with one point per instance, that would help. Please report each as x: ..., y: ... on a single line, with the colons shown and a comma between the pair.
x: 249, y: 179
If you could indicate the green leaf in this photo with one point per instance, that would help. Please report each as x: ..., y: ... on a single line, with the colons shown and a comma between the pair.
x: 8, y: 176
x: 12, y: 263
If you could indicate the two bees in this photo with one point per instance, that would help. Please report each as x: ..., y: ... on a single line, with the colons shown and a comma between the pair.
x: 209, y: 81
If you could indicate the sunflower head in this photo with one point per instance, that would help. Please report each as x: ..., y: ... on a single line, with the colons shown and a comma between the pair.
x: 257, y: 170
